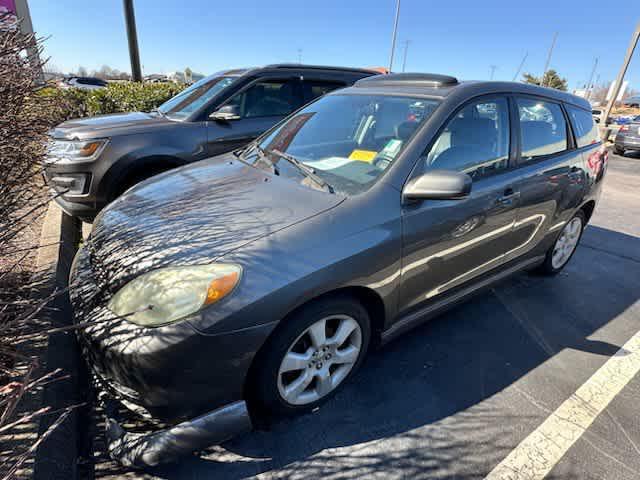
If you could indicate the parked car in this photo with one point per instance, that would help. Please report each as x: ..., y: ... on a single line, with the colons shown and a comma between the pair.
x: 94, y: 160
x: 628, y: 137
x: 632, y: 101
x: 83, y: 83
x: 251, y: 285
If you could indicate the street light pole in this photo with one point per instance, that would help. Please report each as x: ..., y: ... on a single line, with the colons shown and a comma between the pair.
x: 515, y: 77
x: 593, y: 72
x: 393, y: 36
x: 404, y: 59
x: 546, y: 65
x: 623, y: 70
x: 132, y: 36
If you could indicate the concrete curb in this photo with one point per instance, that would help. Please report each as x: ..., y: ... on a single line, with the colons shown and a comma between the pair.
x: 57, y: 457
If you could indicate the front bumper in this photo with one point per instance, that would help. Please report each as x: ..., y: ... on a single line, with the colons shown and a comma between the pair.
x: 85, y: 211
x: 164, y: 446
x: 175, y: 375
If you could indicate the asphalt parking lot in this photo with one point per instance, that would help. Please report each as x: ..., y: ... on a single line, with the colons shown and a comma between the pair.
x: 455, y: 397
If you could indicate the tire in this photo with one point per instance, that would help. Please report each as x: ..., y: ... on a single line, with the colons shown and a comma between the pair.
x: 618, y: 151
x: 553, y: 267
x: 267, y: 382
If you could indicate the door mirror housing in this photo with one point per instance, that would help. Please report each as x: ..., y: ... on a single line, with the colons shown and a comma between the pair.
x: 438, y: 185
x: 226, y: 113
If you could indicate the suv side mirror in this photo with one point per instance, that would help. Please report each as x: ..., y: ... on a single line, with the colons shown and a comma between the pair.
x: 438, y: 185
x: 226, y: 114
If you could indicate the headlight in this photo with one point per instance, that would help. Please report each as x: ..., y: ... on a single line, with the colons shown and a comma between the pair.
x: 74, y: 150
x: 169, y: 294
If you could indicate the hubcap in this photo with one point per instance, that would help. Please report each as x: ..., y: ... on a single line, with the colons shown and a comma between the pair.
x: 566, y: 244
x: 319, y: 359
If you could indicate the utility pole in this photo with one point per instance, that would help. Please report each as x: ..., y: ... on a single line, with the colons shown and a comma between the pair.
x: 300, y: 55
x: 515, y: 77
x: 26, y: 27
x: 404, y: 59
x: 492, y: 69
x: 623, y: 70
x: 593, y: 72
x: 132, y: 36
x: 546, y: 65
x: 393, y: 36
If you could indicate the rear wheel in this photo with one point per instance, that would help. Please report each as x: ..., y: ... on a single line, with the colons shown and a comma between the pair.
x: 310, y: 356
x: 565, y: 245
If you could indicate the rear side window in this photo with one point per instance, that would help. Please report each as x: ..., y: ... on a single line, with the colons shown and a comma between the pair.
x: 475, y: 141
x: 313, y: 89
x: 543, y: 128
x: 583, y: 126
x: 267, y: 98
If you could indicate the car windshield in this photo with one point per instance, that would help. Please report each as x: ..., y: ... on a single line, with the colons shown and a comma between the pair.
x: 347, y: 140
x: 194, y: 97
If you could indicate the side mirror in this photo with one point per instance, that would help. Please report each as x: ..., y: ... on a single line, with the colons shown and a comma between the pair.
x: 438, y: 185
x: 225, y: 114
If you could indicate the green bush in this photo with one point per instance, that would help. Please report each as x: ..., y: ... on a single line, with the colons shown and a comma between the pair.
x: 115, y: 98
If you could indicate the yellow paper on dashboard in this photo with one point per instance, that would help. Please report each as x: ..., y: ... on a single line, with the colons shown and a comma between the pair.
x: 363, y: 155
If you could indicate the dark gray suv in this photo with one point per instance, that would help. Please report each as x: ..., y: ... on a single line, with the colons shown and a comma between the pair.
x: 93, y: 160
x: 252, y: 284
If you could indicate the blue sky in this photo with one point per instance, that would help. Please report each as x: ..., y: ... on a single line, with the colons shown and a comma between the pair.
x: 461, y: 37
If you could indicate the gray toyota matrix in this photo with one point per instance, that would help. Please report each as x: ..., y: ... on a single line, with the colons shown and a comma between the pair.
x: 251, y: 285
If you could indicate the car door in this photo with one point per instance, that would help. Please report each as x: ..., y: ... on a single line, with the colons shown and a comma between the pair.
x: 551, y: 172
x: 259, y: 106
x: 447, y: 243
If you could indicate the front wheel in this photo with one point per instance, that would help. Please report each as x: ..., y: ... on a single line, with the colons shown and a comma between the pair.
x: 618, y: 151
x: 565, y: 245
x: 310, y: 355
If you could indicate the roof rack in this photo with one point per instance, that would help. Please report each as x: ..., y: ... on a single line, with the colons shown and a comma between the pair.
x: 319, y: 67
x: 409, y: 79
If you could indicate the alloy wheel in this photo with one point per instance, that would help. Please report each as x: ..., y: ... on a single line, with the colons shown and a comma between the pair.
x: 566, y: 243
x: 319, y: 359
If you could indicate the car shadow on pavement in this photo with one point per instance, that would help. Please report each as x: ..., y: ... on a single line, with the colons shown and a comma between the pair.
x: 427, y: 403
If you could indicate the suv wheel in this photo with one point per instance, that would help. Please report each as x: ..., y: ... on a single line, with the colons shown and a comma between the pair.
x: 311, y: 355
x: 565, y: 245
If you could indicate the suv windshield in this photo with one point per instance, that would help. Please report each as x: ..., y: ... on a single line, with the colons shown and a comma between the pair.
x: 197, y: 95
x: 348, y: 140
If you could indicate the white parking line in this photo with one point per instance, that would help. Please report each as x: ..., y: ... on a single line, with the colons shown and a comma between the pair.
x: 537, y: 454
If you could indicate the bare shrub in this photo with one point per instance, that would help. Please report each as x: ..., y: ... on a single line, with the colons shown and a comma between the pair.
x: 24, y: 123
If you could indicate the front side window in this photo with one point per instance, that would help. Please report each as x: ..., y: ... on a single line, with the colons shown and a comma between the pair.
x: 348, y: 140
x: 194, y: 97
x: 266, y: 98
x: 583, y: 125
x: 543, y: 128
x: 475, y: 141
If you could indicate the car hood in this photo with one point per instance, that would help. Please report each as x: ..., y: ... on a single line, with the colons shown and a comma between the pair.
x: 108, y: 125
x: 194, y: 215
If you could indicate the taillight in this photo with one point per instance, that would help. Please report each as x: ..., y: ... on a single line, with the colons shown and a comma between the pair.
x: 624, y: 128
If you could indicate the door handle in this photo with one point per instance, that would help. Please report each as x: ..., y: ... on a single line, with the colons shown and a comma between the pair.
x: 508, y: 198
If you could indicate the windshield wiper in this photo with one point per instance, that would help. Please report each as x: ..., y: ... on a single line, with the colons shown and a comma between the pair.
x: 306, y: 169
